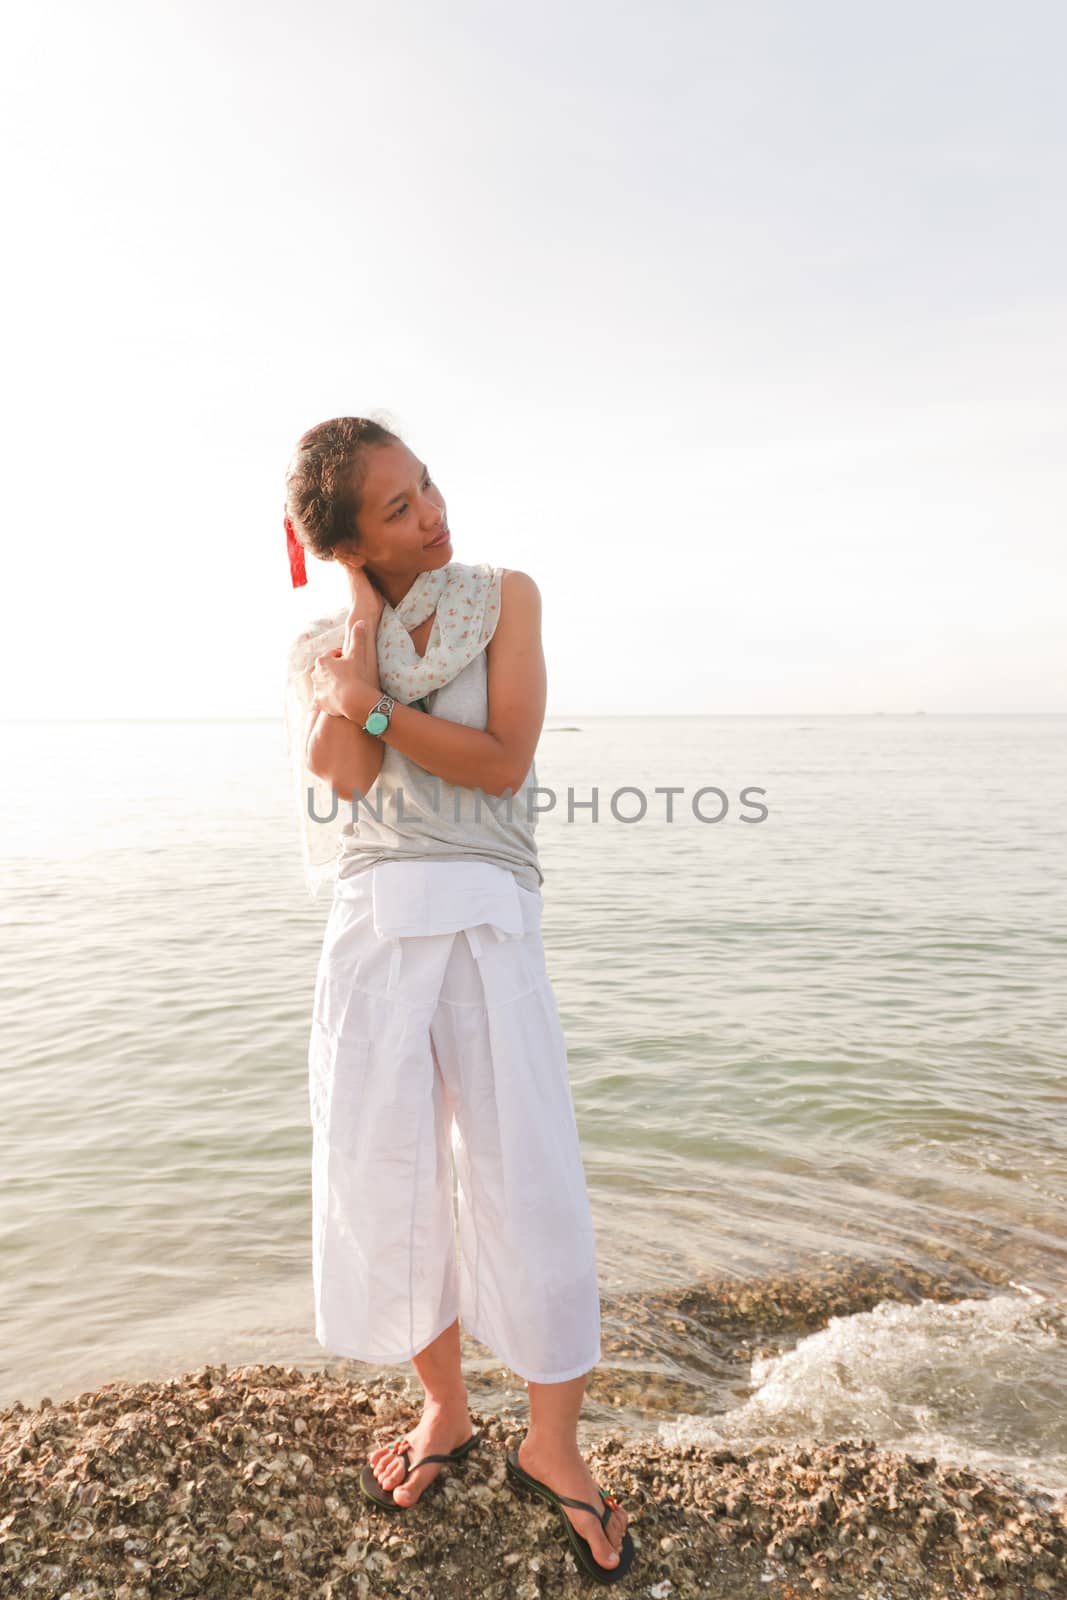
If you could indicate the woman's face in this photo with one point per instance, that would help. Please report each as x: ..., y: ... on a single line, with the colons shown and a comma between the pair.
x: 402, y: 512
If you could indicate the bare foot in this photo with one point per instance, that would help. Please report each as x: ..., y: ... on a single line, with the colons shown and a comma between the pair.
x: 566, y: 1472
x: 439, y: 1430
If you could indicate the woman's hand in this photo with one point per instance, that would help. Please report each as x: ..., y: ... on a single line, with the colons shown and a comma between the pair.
x: 367, y: 600
x: 341, y: 677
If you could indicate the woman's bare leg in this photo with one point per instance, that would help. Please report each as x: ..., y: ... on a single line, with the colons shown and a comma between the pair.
x: 444, y: 1424
x: 550, y: 1452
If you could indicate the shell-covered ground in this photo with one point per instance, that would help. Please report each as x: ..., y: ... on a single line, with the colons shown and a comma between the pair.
x: 244, y: 1483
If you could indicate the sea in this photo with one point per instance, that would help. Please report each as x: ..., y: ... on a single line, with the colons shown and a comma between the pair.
x: 812, y: 972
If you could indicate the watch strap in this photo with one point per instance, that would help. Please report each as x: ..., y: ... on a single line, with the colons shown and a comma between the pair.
x: 382, y: 707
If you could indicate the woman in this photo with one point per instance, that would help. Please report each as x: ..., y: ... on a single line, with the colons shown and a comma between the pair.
x: 435, y: 1034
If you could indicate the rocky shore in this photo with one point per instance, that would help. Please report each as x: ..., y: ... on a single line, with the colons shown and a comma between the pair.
x: 243, y: 1483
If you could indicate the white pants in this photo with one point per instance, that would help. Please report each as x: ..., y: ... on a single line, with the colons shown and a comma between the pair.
x: 436, y: 1039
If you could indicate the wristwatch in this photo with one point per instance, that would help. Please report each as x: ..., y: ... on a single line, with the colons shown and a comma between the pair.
x: 378, y: 718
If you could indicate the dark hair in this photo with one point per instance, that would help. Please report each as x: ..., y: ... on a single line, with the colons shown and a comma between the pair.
x: 323, y: 486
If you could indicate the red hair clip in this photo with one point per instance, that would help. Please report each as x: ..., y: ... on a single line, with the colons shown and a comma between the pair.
x: 297, y: 569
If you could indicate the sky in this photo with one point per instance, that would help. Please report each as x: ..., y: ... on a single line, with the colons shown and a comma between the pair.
x: 741, y: 328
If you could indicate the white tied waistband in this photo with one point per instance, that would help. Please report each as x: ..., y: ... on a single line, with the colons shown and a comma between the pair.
x: 415, y: 898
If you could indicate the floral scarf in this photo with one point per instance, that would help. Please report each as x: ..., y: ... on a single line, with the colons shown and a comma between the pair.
x: 467, y: 602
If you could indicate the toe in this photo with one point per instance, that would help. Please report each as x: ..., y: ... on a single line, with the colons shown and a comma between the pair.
x: 604, y: 1552
x: 610, y: 1540
x: 388, y: 1470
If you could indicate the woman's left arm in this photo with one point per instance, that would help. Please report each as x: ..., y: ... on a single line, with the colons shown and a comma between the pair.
x: 497, y: 759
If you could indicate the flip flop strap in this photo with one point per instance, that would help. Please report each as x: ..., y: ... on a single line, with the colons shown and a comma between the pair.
x: 449, y: 1457
x: 611, y: 1504
x: 583, y: 1505
x: 406, y: 1453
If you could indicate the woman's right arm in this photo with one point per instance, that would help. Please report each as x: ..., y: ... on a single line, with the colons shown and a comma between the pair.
x: 337, y: 750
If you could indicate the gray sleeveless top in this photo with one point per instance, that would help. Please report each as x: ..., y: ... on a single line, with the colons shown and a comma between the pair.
x: 410, y: 814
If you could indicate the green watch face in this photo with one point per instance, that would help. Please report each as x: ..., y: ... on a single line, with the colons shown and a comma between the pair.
x: 377, y: 722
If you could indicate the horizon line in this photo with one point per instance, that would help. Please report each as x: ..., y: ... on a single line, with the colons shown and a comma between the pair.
x: 596, y: 716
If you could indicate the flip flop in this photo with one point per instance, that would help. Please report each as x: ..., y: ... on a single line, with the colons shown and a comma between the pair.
x: 403, y: 1447
x: 581, y: 1547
